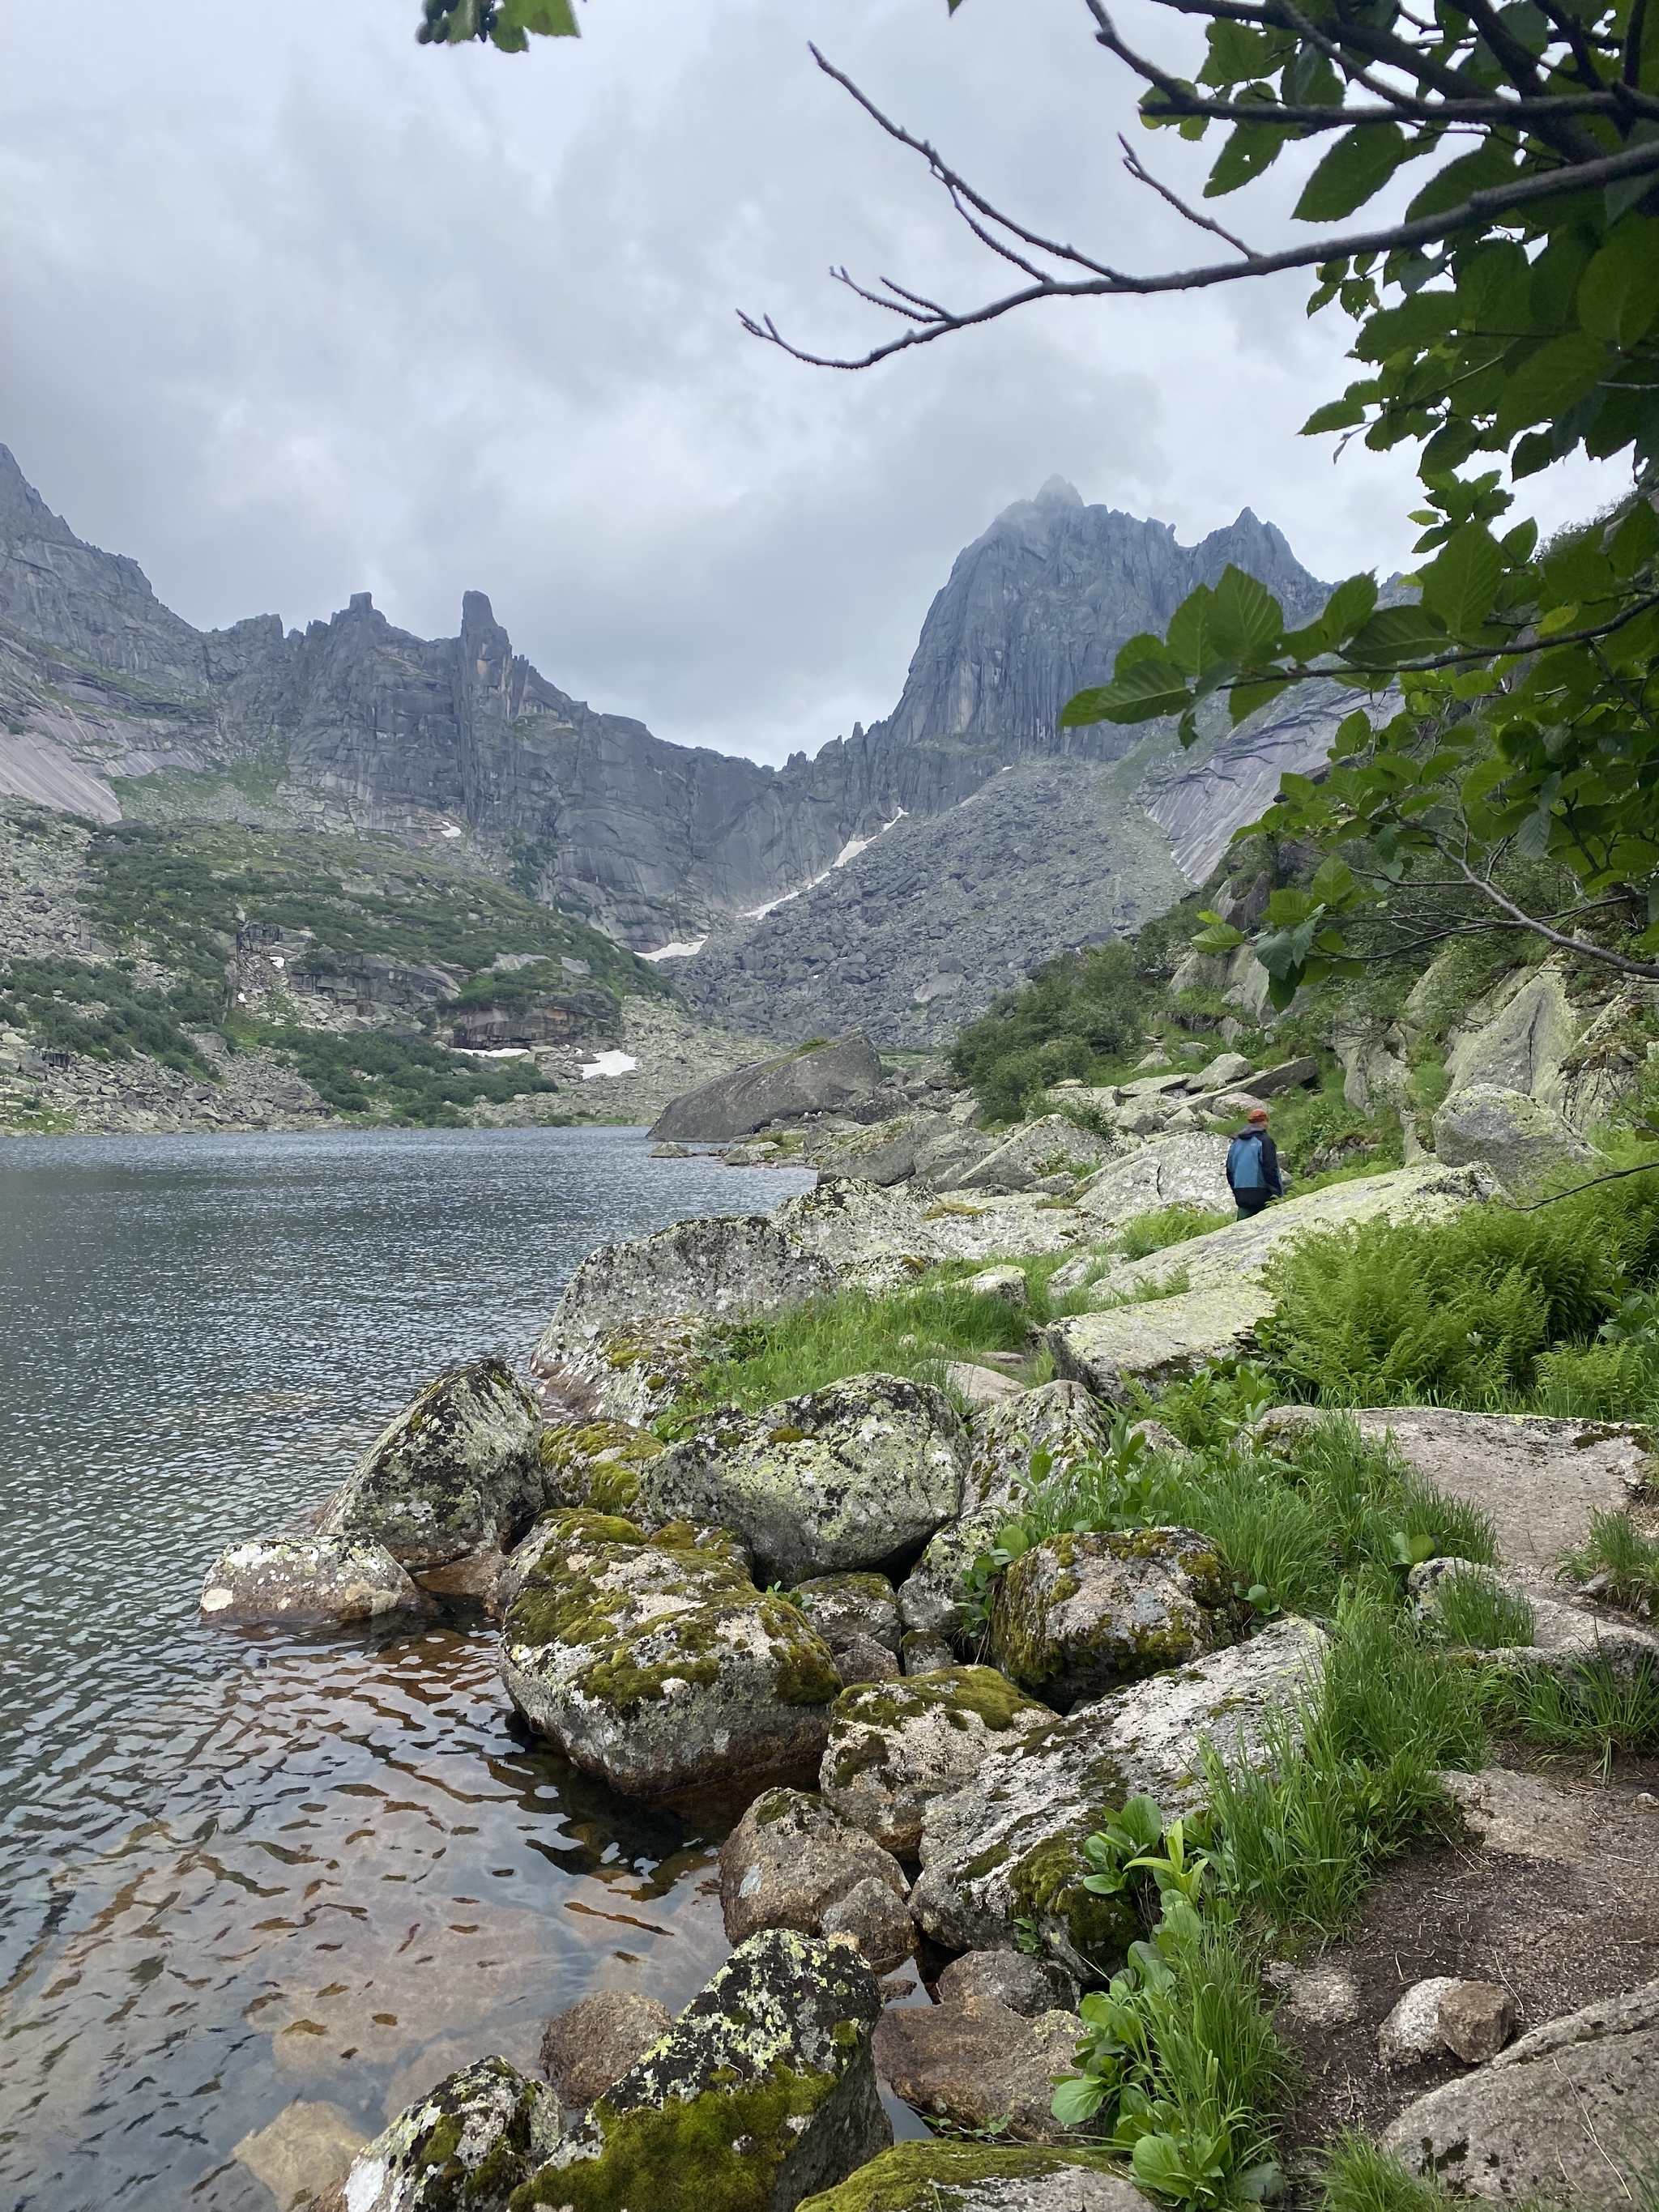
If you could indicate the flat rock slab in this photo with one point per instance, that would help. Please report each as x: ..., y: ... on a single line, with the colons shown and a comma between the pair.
x: 1159, y: 1341
x: 1567, y: 2110
x: 959, y: 2177
x: 1540, y: 1480
x: 1520, y: 1816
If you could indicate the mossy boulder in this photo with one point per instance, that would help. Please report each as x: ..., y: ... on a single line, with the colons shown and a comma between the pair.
x: 464, y: 2146
x: 894, y: 1746
x: 1060, y: 1418
x: 845, y: 1608
x: 789, y: 1859
x: 654, y: 1661
x: 1079, y: 1614
x: 763, y: 2093
x: 594, y: 1463
x: 460, y: 1471
x: 974, y: 2176
x: 1007, y: 1847
x: 308, y: 1578
x: 856, y: 1475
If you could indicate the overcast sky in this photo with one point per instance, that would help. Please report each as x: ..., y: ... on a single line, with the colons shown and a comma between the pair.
x: 294, y: 307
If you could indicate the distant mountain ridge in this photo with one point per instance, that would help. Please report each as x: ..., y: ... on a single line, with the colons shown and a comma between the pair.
x: 353, y: 725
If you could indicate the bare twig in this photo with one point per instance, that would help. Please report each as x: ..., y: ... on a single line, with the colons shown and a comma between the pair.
x: 1143, y: 175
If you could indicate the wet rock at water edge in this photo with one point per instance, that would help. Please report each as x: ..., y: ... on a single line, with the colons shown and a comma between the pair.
x: 763, y: 2093
x: 654, y: 1661
x: 309, y: 1578
x: 790, y: 1858
x: 856, y: 1475
x: 305, y: 2150
x: 588, y: 2048
x: 1078, y: 1615
x: 974, y: 2176
x: 470, y: 2142
x: 895, y: 1747
x: 977, y: 2061
x: 459, y: 1471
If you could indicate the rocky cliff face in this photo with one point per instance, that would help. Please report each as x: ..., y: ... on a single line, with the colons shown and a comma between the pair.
x: 901, y: 876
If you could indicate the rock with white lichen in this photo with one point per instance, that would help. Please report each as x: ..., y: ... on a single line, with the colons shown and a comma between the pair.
x: 308, y: 1578
x: 654, y: 1661
x: 856, y: 1475
x: 459, y: 1471
x: 763, y: 2093
x: 464, y: 2146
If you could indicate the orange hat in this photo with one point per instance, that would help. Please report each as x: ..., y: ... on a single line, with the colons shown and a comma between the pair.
x: 1257, y: 1114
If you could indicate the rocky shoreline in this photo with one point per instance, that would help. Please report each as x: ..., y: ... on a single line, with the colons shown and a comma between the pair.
x: 803, y: 1605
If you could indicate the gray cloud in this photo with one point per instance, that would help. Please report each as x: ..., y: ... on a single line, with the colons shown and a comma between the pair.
x: 295, y: 308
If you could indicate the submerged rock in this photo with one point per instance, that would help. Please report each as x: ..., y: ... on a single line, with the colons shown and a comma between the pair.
x: 459, y: 1471
x: 1572, y: 2097
x: 789, y: 1859
x: 1078, y: 1615
x: 895, y: 1746
x: 305, y: 2150
x: 588, y: 2048
x: 763, y: 2093
x: 1008, y: 1845
x: 308, y: 1578
x: 977, y: 2061
x: 858, y: 1474
x: 976, y: 2177
x: 468, y: 2144
x: 654, y: 1661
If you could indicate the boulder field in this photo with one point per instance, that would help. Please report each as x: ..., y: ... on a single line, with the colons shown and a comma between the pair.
x: 788, y: 1606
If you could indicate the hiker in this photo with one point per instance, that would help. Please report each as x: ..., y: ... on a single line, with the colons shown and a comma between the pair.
x: 1253, y: 1166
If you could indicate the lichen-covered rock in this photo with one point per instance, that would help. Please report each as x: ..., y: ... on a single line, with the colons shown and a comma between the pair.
x: 1574, y: 2099
x: 654, y: 1661
x: 308, y: 1578
x: 845, y: 1607
x: 856, y: 1475
x: 459, y: 1471
x: 1518, y: 1138
x: 1078, y: 1615
x: 763, y: 2093
x: 1008, y: 1845
x: 1034, y: 1150
x: 1161, y: 1341
x: 789, y: 1859
x: 594, y: 1463
x: 589, y: 2046
x: 1024, y: 1984
x: 977, y: 2061
x: 894, y: 1746
x: 1562, y: 1636
x: 715, y: 1269
x: 976, y: 2177
x: 1187, y: 1170
x: 465, y: 2146
x: 1059, y: 1419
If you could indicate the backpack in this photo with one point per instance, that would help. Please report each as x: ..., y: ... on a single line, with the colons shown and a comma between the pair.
x: 1244, y: 1162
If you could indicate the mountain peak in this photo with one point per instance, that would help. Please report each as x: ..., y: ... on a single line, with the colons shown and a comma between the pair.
x: 1059, y: 488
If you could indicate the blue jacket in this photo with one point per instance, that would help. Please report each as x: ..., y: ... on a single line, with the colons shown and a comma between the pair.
x: 1253, y: 1165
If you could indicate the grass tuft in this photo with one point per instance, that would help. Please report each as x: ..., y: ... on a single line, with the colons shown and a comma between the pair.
x: 1617, y: 1550
x: 1360, y: 2176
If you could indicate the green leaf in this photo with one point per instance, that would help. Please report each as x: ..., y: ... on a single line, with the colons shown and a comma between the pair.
x: 1334, y: 414
x: 1246, y: 621
x: 1544, y: 386
x: 1078, y: 2097
x: 1395, y: 637
x: 1251, y: 148
x: 1333, y: 884
x: 1348, y: 606
x: 1620, y: 197
x: 1144, y: 691
x: 1460, y: 583
x: 1618, y: 292
x: 1355, y: 169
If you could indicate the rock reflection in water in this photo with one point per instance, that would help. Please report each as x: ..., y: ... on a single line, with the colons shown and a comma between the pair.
x: 361, y: 1880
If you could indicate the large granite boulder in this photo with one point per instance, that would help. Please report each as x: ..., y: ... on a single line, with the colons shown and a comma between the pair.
x: 1078, y: 1615
x: 1540, y: 1480
x: 977, y: 2061
x: 1517, y: 1137
x: 654, y: 1661
x: 459, y: 1471
x: 716, y: 1269
x: 789, y: 1859
x: 1575, y: 2099
x: 464, y: 2146
x: 1035, y: 1149
x: 856, y: 1475
x: 894, y: 1746
x: 1060, y: 1419
x: 1158, y: 1342
x: 763, y: 2093
x: 812, y: 1079
x: 1188, y: 1169
x: 1008, y: 1845
x: 303, y: 1579
x: 982, y: 2177
x: 1522, y: 1041
x: 848, y: 1610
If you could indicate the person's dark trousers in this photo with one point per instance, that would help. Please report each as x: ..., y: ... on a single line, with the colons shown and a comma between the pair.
x: 1250, y: 1203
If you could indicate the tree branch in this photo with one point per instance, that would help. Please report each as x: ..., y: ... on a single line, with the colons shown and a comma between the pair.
x: 1647, y: 969
x: 1143, y: 175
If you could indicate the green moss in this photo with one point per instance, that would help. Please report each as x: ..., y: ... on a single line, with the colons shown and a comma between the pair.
x: 806, y: 1674
x: 936, y: 2177
x: 686, y: 2156
x: 1048, y: 1882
